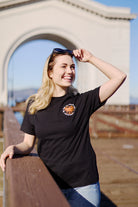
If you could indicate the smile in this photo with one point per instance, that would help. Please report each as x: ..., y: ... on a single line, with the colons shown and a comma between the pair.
x: 67, y: 78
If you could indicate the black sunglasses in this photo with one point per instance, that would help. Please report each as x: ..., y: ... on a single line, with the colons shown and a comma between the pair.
x: 61, y: 51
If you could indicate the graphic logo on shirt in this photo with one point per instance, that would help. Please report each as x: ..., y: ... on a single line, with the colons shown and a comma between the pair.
x: 69, y: 109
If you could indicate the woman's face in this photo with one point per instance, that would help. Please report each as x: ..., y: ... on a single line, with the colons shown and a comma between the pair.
x: 63, y: 72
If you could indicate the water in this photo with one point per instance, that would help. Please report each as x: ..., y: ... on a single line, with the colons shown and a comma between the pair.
x: 11, y: 102
x: 19, y: 117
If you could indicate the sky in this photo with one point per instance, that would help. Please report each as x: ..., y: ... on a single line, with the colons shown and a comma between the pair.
x: 30, y: 57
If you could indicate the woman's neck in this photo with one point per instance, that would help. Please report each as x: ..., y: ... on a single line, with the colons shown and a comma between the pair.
x: 59, y: 92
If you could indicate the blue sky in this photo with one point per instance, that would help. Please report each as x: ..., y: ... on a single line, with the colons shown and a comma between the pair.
x: 29, y: 58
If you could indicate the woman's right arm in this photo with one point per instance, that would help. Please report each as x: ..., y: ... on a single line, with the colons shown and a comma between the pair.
x: 24, y: 147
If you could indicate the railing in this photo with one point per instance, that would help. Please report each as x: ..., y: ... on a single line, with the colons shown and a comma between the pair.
x: 28, y: 183
x: 115, y: 121
x: 1, y: 121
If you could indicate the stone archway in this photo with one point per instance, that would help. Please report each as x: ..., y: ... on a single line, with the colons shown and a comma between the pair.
x: 48, y: 34
x: 105, y: 31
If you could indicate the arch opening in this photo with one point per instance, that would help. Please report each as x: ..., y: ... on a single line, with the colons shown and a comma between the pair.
x: 49, y: 41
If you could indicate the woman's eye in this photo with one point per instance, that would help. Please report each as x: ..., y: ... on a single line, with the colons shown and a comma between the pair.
x: 63, y: 66
x: 73, y: 67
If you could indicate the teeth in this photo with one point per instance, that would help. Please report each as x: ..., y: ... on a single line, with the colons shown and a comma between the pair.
x: 67, y: 77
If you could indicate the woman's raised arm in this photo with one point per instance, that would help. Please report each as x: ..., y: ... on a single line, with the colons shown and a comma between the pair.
x: 116, y: 77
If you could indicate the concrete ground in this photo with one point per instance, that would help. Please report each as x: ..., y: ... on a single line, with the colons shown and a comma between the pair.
x: 118, y: 169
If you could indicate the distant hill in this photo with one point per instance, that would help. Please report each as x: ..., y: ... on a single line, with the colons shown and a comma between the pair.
x: 23, y: 94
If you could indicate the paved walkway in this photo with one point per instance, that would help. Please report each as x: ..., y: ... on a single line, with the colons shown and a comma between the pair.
x: 118, y: 168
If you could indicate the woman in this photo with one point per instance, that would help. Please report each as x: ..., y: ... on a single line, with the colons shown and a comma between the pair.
x: 59, y: 117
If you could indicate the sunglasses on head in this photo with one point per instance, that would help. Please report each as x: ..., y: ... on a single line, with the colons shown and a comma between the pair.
x: 62, y: 51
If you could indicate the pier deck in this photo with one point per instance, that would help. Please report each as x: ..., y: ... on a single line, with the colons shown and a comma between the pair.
x: 118, y: 168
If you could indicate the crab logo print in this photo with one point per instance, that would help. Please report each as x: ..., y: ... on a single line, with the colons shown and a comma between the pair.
x: 69, y: 109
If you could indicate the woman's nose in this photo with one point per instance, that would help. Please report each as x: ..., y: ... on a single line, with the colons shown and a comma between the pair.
x: 68, y: 70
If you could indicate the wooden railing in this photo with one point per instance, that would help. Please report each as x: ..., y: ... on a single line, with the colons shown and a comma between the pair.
x: 1, y: 121
x: 28, y: 183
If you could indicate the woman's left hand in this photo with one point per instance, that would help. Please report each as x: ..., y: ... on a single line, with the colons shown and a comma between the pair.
x: 82, y: 55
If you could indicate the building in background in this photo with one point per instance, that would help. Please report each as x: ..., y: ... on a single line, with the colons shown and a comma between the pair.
x: 105, y: 31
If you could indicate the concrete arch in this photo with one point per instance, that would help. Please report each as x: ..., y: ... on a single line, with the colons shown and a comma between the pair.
x: 105, y: 31
x: 42, y: 33
x: 62, y: 36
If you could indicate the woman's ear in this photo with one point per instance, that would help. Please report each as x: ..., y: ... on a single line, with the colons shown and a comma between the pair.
x: 50, y: 74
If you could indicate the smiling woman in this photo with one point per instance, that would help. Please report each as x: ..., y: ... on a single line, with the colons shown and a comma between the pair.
x: 66, y: 68
x: 63, y: 72
x: 64, y: 114
x: 58, y: 77
x: 59, y: 117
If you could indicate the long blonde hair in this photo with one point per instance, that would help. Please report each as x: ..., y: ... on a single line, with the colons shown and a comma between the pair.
x: 43, y: 97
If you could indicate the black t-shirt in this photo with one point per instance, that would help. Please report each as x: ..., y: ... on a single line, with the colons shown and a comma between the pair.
x: 64, y: 144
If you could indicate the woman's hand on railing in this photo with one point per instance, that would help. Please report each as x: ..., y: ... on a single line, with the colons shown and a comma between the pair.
x: 22, y: 148
x: 9, y: 152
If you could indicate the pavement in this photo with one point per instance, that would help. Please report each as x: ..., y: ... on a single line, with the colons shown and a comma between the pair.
x: 118, y: 169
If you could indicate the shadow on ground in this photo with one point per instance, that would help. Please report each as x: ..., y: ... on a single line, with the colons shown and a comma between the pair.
x: 106, y: 202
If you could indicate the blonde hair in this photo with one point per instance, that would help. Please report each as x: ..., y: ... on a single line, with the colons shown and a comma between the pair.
x: 43, y: 97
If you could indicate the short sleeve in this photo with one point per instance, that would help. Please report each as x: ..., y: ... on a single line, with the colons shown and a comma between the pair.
x: 28, y: 123
x: 92, y: 100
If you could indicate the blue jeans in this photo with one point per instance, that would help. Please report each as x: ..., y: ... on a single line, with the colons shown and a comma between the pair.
x: 86, y: 196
